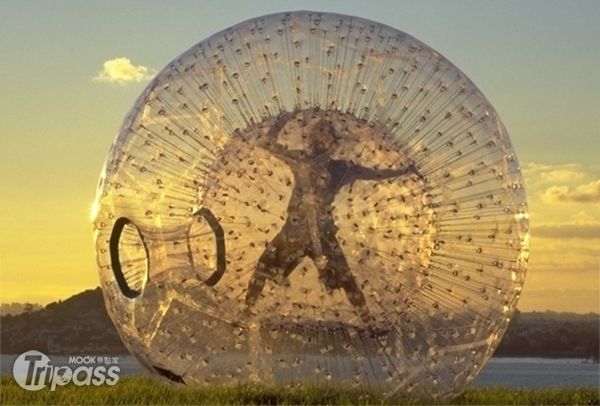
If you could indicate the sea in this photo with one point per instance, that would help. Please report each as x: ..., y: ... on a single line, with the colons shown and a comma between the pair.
x: 505, y: 372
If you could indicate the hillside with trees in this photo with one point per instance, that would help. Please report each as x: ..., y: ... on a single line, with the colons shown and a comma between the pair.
x: 551, y: 334
x: 77, y: 325
x: 18, y: 308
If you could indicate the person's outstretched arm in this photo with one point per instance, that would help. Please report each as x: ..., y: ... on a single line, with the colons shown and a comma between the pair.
x: 268, y: 141
x: 361, y: 172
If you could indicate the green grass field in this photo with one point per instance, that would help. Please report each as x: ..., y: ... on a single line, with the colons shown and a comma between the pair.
x: 146, y: 390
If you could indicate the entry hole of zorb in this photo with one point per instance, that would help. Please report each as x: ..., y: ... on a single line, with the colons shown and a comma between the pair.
x: 206, y: 241
x: 129, y: 258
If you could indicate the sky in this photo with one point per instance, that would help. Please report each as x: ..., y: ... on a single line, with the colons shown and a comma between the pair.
x: 71, y: 70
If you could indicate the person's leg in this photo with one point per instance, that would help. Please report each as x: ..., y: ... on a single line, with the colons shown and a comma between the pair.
x: 335, y: 274
x: 278, y: 260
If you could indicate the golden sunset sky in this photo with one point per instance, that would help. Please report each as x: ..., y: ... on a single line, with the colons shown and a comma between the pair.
x: 70, y: 71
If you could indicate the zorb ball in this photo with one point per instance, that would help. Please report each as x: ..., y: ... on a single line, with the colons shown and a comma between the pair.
x: 310, y: 198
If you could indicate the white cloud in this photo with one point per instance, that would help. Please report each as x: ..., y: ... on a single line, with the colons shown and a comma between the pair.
x: 586, y: 193
x: 543, y: 173
x: 122, y: 71
x: 563, y: 183
x: 562, y: 231
x: 584, y: 218
x: 579, y: 225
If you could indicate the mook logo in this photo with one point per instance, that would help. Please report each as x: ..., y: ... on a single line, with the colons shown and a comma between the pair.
x: 33, y: 370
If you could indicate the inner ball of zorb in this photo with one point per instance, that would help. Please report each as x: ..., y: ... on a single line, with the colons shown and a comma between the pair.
x: 310, y: 198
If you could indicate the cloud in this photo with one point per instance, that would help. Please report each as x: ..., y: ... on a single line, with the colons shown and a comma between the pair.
x: 536, y: 172
x: 570, y: 300
x: 122, y: 71
x: 578, y: 225
x: 567, y: 231
x: 586, y: 193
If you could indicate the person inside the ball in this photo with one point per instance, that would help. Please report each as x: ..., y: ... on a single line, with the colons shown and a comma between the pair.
x: 310, y: 229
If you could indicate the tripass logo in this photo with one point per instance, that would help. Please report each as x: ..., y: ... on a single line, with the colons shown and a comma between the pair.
x: 34, y: 370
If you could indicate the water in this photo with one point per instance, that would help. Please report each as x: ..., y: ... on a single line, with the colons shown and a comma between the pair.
x: 539, y: 373
x: 506, y: 372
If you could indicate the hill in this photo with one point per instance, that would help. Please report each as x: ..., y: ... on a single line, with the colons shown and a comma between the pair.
x: 18, y: 308
x: 551, y: 334
x: 77, y: 325
x: 80, y: 325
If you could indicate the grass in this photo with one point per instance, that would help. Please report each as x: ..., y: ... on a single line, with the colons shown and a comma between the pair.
x: 147, y: 390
